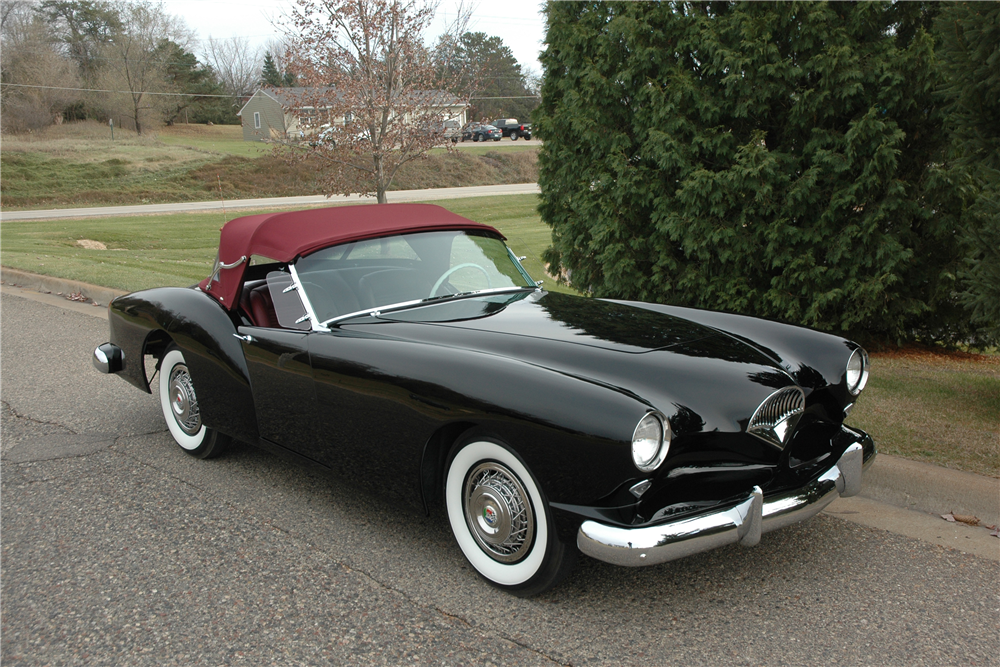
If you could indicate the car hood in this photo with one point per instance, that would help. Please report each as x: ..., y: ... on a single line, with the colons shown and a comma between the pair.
x: 672, y: 364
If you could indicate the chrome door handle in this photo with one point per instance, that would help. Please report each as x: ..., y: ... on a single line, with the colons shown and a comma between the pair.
x: 246, y: 339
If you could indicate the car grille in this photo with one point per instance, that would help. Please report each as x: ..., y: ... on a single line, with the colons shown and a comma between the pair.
x: 775, y: 419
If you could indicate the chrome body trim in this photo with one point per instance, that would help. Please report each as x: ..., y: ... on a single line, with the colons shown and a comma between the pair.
x: 640, y: 488
x: 378, y: 310
x: 310, y: 313
x: 219, y: 266
x: 742, y: 523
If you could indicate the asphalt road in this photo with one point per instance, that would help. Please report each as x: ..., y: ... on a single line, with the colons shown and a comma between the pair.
x: 396, y: 196
x: 119, y: 549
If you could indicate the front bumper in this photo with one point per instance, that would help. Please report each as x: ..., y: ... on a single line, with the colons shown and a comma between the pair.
x: 741, y: 523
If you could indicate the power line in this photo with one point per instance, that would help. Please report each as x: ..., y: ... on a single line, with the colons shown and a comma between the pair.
x: 127, y: 92
x: 228, y: 97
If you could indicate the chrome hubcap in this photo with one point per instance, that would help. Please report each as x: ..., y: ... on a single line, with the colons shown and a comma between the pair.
x: 498, y: 512
x: 183, y: 401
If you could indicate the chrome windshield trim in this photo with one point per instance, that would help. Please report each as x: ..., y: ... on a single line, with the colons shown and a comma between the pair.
x: 405, y: 305
x: 517, y: 262
x: 310, y: 313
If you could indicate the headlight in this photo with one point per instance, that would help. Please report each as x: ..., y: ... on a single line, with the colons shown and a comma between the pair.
x: 650, y: 442
x: 857, y: 371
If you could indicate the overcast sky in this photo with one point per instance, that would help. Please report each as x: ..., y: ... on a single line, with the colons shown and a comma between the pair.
x: 519, y: 24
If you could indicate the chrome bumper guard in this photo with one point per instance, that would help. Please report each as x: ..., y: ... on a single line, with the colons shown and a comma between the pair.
x: 108, y: 358
x: 744, y: 523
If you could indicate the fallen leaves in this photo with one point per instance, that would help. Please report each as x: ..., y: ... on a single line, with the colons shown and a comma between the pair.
x: 970, y: 520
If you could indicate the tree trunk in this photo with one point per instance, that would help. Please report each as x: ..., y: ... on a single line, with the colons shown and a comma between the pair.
x: 380, y: 181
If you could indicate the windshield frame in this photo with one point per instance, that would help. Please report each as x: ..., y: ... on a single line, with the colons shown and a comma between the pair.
x: 325, y: 325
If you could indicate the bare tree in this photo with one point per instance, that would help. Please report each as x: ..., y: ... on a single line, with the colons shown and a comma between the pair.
x: 373, y: 82
x: 279, y: 48
x: 237, y: 64
x: 35, y: 73
x: 134, y: 70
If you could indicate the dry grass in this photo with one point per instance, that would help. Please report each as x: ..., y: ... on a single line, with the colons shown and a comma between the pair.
x: 78, y: 164
x: 934, y: 406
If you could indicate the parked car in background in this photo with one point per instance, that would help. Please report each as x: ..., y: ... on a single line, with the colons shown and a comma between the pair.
x: 324, y: 137
x: 450, y: 130
x: 509, y: 127
x: 406, y: 348
x: 481, y: 132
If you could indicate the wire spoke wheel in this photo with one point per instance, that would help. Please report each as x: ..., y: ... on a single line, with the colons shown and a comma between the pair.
x: 181, y: 410
x: 501, y: 520
x: 498, y: 511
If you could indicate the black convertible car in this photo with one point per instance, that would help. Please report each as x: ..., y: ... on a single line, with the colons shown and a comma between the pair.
x: 406, y: 347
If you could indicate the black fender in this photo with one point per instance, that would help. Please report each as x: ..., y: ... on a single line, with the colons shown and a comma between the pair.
x: 142, y: 321
x: 788, y: 345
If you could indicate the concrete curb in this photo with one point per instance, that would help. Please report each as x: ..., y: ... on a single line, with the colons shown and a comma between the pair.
x: 930, y: 488
x: 890, y: 479
x: 47, y: 284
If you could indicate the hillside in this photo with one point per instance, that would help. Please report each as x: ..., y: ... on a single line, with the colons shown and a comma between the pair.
x: 78, y: 164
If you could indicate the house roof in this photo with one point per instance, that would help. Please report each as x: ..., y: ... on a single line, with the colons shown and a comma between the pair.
x: 286, y: 236
x: 304, y: 98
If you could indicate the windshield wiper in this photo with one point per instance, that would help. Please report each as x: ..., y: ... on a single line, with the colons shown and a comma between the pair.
x: 407, y: 305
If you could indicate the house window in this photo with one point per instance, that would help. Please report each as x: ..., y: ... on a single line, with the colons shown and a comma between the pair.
x: 348, y: 117
x: 256, y: 120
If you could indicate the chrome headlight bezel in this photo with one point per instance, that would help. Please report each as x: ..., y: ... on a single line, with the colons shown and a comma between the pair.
x: 856, y: 371
x: 651, y: 441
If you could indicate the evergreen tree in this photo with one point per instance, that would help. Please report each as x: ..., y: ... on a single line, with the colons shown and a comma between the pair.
x: 269, y: 75
x: 201, y: 101
x: 84, y: 26
x: 488, y: 67
x: 968, y: 49
x: 769, y: 159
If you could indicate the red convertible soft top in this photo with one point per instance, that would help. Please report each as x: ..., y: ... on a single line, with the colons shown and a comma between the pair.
x: 285, y: 236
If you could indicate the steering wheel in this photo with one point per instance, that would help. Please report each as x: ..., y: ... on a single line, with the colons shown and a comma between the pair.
x: 444, y: 276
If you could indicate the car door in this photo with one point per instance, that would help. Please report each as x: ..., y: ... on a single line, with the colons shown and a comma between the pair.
x: 375, y: 417
x: 277, y: 354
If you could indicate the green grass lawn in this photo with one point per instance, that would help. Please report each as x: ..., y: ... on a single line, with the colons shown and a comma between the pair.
x: 938, y: 408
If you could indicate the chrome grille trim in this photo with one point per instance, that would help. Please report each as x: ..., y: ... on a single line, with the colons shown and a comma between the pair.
x: 775, y: 418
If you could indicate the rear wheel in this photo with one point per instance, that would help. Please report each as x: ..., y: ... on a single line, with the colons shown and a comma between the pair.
x: 501, y: 521
x: 514, y: 136
x: 181, y: 411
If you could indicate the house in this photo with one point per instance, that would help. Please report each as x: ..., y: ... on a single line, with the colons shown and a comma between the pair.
x: 282, y: 114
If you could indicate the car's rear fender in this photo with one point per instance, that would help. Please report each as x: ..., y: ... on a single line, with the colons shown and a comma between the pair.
x: 146, y: 322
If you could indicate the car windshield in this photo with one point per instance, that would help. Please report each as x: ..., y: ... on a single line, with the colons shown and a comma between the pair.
x: 380, y: 273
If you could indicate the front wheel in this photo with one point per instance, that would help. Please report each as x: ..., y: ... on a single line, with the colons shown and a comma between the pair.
x: 179, y: 403
x: 501, y: 522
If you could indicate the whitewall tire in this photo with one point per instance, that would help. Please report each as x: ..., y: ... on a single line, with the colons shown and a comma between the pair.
x: 501, y: 521
x: 179, y: 403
